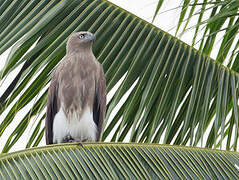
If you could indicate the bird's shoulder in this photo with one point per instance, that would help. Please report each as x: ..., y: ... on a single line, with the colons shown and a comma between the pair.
x: 75, y: 62
x: 66, y: 63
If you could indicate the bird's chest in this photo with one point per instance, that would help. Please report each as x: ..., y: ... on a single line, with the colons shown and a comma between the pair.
x: 76, y: 88
x: 80, y: 128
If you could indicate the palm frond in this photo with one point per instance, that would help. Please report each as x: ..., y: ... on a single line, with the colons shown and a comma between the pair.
x: 119, y: 161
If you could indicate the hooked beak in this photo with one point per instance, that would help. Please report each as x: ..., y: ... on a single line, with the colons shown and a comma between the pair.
x: 91, y: 37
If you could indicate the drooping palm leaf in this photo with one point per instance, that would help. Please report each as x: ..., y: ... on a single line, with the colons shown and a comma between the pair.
x: 119, y: 161
x: 175, y: 91
x: 219, y: 23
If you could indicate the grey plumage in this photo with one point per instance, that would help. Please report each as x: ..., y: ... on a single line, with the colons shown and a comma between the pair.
x: 77, y: 93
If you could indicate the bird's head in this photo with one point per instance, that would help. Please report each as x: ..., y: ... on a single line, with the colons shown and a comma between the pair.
x: 79, y: 41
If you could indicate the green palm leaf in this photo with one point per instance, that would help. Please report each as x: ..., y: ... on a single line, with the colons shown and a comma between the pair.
x: 219, y: 23
x: 119, y: 161
x: 175, y: 92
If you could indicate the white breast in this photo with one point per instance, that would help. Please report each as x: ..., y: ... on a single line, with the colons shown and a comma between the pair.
x: 80, y: 129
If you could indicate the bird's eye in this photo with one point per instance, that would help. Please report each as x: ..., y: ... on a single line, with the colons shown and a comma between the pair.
x: 81, y: 36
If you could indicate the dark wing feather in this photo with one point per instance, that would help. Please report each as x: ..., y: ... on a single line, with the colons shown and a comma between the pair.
x: 99, y: 103
x: 52, y: 108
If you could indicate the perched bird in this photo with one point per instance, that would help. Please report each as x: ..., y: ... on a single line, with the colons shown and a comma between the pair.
x: 77, y: 94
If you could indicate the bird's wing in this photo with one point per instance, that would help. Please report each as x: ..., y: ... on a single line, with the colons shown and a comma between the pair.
x: 52, y: 108
x: 99, y: 103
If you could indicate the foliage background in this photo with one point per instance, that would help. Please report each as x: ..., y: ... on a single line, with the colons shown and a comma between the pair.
x: 208, y: 47
x: 141, y: 8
